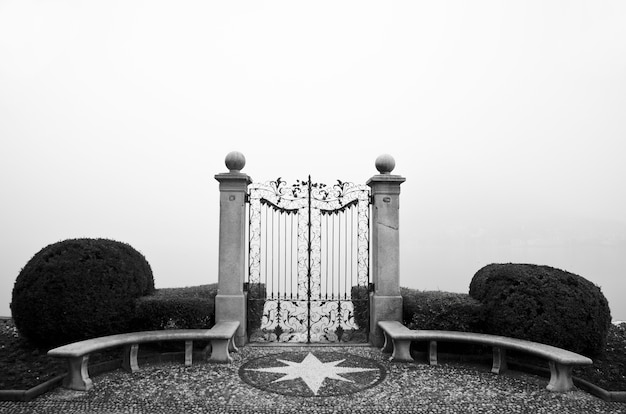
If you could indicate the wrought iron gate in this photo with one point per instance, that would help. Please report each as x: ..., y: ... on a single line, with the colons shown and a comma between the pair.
x: 308, y: 262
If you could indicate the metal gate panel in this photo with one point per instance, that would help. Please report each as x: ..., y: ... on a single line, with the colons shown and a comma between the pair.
x: 308, y: 262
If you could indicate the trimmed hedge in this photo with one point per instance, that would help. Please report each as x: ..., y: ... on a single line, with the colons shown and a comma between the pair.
x: 77, y: 289
x: 441, y: 311
x: 543, y: 304
x: 360, y: 300
x: 177, y: 308
x: 257, y: 294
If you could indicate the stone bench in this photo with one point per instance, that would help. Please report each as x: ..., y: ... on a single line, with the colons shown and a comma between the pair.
x: 77, y: 353
x: 398, y: 340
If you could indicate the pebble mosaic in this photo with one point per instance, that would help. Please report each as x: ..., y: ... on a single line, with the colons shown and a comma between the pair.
x: 287, y: 386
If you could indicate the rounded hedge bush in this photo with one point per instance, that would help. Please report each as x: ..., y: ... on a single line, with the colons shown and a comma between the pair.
x: 543, y: 304
x: 77, y: 289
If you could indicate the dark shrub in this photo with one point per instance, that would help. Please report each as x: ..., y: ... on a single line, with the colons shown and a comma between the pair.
x: 609, y: 370
x: 77, y: 289
x: 360, y: 301
x: 177, y: 308
x: 257, y: 294
x: 441, y: 310
x: 543, y: 304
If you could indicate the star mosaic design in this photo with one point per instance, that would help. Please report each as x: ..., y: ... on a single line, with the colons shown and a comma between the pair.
x: 312, y: 371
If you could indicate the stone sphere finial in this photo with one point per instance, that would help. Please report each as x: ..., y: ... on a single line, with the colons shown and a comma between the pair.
x: 235, y: 161
x: 385, y: 164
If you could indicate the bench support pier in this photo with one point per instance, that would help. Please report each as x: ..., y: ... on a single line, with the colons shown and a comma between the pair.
x: 77, y: 374
x: 560, y: 377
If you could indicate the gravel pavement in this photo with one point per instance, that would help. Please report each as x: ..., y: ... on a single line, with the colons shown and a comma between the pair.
x: 331, y: 380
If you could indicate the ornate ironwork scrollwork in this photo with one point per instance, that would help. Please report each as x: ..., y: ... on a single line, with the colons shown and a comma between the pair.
x: 308, y: 254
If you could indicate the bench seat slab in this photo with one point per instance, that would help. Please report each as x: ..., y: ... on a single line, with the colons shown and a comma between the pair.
x: 77, y: 377
x: 398, y: 339
x: 220, y: 339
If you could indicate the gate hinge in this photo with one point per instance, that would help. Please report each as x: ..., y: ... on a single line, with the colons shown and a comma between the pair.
x: 371, y: 287
x: 246, y: 198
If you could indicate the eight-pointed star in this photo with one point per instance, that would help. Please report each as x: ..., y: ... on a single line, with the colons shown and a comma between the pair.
x: 312, y: 371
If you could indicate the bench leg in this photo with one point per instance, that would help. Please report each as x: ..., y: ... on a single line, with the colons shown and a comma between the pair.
x: 432, y: 352
x: 232, y: 347
x: 499, y: 360
x: 219, y: 351
x: 206, y: 351
x: 560, y: 377
x: 129, y: 358
x: 401, y: 350
x: 188, y: 353
x: 77, y: 375
x: 388, y: 345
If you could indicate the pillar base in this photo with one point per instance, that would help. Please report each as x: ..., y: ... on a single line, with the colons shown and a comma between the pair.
x: 383, y: 308
x: 233, y: 308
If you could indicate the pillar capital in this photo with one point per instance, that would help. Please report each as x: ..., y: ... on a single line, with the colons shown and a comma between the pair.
x: 233, y: 181
x: 385, y: 183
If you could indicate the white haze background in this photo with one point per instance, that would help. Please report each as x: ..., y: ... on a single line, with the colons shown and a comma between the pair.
x: 508, y: 120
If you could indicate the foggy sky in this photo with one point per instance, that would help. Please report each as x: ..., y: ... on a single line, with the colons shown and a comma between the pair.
x: 506, y: 119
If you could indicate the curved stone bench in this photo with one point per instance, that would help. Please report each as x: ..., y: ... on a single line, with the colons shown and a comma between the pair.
x: 398, y: 340
x: 77, y: 353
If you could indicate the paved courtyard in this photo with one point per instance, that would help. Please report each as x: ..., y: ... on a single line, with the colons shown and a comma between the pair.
x: 314, y: 379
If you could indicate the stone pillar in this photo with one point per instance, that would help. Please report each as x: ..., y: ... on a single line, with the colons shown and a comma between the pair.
x: 230, y: 302
x: 385, y: 301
